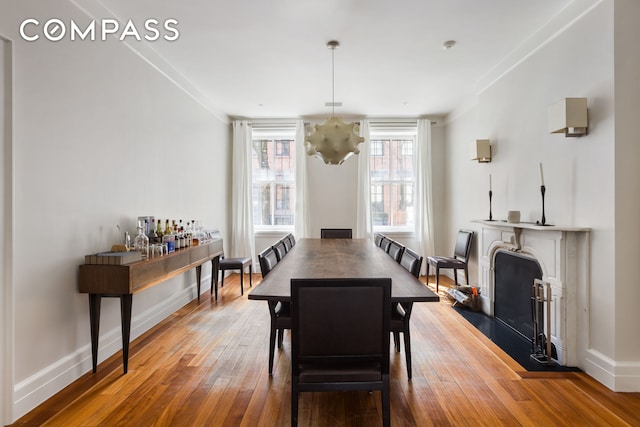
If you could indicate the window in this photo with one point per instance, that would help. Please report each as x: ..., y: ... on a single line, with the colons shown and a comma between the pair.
x: 273, y: 174
x: 392, y: 168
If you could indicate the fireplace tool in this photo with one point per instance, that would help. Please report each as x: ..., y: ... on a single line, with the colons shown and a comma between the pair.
x: 543, y: 350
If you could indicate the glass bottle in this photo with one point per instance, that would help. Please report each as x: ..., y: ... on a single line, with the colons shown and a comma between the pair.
x: 141, y: 242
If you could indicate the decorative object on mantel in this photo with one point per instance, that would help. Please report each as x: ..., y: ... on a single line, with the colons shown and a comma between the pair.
x: 490, y: 197
x: 543, y: 220
x: 569, y: 116
x: 333, y: 141
x: 513, y: 217
x: 482, y: 151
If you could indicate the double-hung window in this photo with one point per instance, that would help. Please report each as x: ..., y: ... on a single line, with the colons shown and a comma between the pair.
x: 393, y: 176
x: 273, y: 174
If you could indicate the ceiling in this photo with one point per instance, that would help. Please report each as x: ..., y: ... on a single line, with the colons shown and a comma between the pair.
x: 268, y: 58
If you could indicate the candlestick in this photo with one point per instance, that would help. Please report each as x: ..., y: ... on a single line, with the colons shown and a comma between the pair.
x: 489, y: 182
x: 490, y: 213
x: 543, y: 220
x: 541, y: 175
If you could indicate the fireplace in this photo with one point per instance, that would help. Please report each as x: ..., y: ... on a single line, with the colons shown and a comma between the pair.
x: 557, y: 255
x: 514, y: 276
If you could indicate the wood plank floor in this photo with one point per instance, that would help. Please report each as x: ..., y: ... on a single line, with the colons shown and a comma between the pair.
x: 206, y: 365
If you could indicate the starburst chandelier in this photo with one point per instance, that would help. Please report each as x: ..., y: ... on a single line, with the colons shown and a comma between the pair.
x: 333, y: 141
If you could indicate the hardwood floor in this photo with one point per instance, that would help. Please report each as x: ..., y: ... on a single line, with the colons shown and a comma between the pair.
x: 206, y: 365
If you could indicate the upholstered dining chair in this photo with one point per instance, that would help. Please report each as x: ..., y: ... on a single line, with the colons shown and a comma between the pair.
x: 280, y: 250
x: 384, y: 243
x: 340, y: 337
x: 287, y: 243
x: 377, y: 238
x: 292, y: 240
x: 236, y: 264
x: 395, y: 250
x: 457, y: 262
x: 411, y: 261
x: 336, y: 233
x: 279, y: 311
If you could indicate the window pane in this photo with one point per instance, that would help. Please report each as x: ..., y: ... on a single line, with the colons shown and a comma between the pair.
x: 273, y: 174
x: 392, y: 180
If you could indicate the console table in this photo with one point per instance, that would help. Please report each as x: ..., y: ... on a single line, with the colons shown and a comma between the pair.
x: 122, y: 281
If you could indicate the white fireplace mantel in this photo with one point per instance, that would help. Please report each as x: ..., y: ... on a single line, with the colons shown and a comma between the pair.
x: 563, y: 255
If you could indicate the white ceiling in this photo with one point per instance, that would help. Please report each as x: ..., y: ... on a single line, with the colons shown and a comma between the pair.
x: 268, y: 58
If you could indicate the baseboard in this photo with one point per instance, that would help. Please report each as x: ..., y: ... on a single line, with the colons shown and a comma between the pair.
x: 42, y: 385
x: 618, y: 376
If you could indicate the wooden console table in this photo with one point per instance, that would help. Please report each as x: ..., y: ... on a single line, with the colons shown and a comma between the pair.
x: 122, y: 281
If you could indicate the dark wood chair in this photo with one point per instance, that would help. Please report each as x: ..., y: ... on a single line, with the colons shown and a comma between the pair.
x: 457, y: 262
x: 287, y: 243
x: 336, y: 233
x: 236, y: 264
x: 279, y: 311
x: 395, y: 249
x: 280, y: 250
x: 411, y: 261
x: 384, y: 243
x: 340, y: 337
x: 401, y: 313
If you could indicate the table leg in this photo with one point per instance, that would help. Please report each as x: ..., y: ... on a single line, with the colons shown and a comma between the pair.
x: 125, y: 309
x: 198, y: 276
x: 94, y: 317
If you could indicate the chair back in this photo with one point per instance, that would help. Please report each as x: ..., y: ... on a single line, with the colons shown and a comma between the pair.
x: 411, y: 261
x: 292, y: 240
x: 268, y: 260
x: 378, y: 239
x: 395, y: 250
x: 335, y: 233
x: 341, y: 323
x: 463, y: 245
x: 280, y: 250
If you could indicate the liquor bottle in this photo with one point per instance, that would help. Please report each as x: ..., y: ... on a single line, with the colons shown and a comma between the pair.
x: 141, y: 242
x: 159, y: 231
x: 167, y: 228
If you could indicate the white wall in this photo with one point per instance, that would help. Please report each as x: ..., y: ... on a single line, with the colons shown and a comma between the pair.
x: 100, y: 138
x: 583, y: 182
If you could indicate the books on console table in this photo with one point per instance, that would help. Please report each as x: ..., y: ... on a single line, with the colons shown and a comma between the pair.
x: 113, y: 258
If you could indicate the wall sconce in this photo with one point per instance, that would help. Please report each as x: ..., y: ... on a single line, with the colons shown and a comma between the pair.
x: 482, y: 151
x: 569, y: 116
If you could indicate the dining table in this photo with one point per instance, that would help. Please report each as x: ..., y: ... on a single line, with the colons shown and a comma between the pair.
x: 312, y: 258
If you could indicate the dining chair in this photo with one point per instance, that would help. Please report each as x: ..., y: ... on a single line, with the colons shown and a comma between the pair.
x: 287, y: 243
x: 457, y: 262
x: 340, y: 337
x: 336, y: 233
x: 400, y: 316
x: 411, y: 261
x: 292, y: 240
x: 280, y: 250
x: 236, y: 264
x: 395, y: 249
x: 377, y: 238
x: 384, y: 243
x: 279, y: 311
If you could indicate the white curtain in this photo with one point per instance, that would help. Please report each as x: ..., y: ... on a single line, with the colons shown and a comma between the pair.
x: 363, y: 202
x: 424, y: 198
x: 302, y: 202
x: 242, y: 242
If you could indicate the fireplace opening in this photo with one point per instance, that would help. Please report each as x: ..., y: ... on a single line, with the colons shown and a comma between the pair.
x: 514, y: 274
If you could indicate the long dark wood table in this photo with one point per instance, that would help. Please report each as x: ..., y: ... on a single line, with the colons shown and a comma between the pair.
x: 122, y: 281
x: 340, y: 258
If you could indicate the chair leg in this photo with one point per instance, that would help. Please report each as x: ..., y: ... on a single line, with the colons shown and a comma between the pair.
x: 242, y: 281
x: 407, y: 350
x: 272, y: 345
x: 250, y: 276
x: 455, y: 276
x: 466, y: 274
x: 437, y: 279
x: 294, y: 407
x: 386, y: 403
x: 396, y: 341
x: 280, y: 337
x: 222, y: 279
